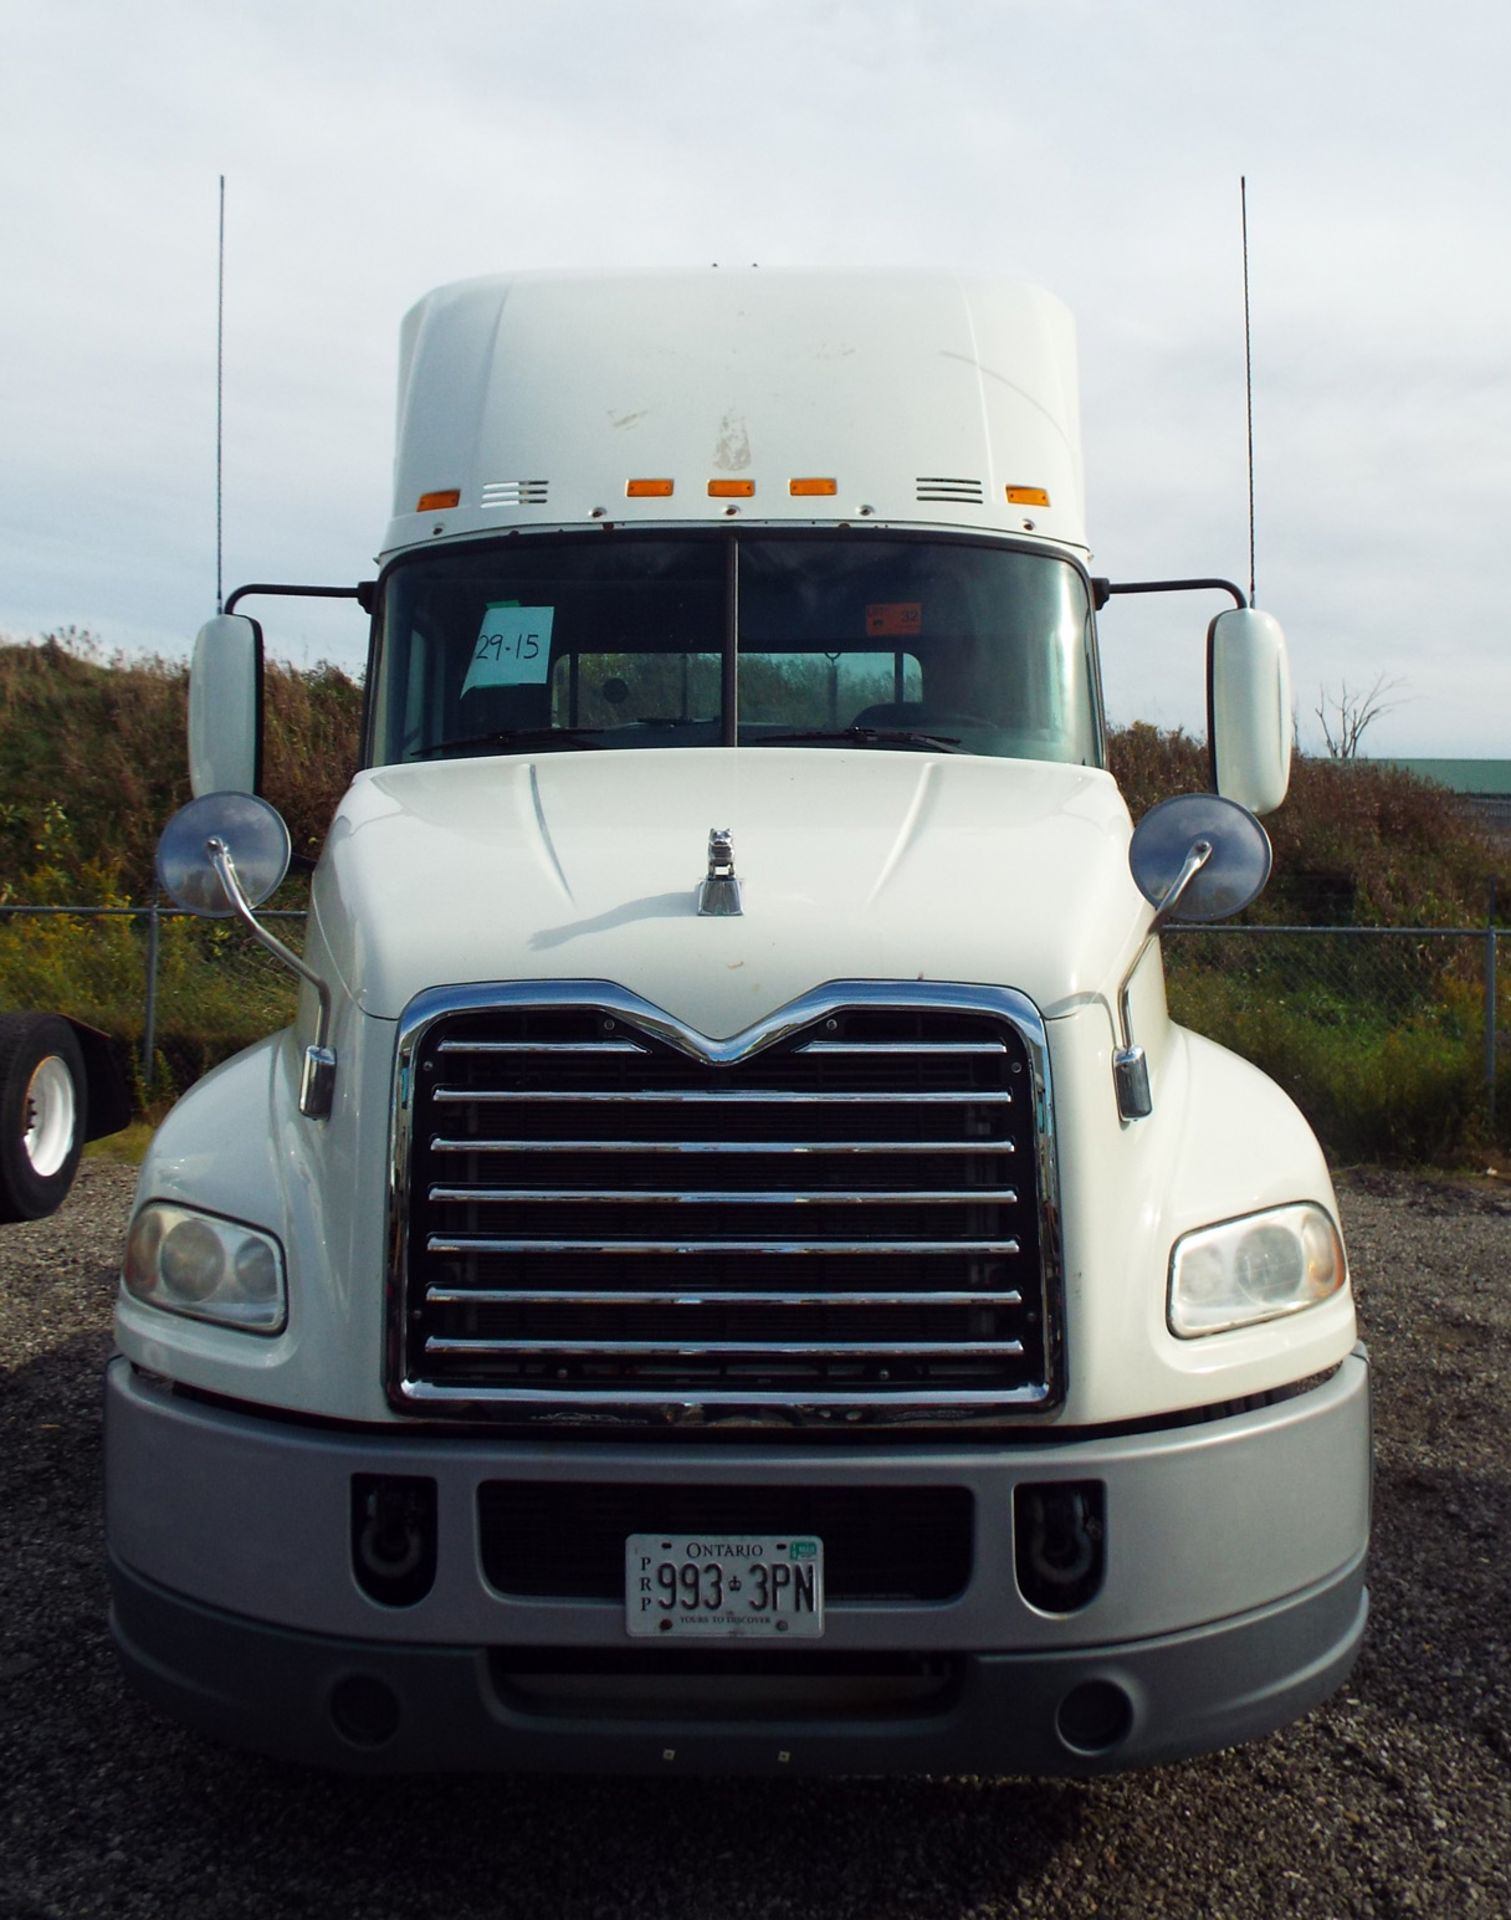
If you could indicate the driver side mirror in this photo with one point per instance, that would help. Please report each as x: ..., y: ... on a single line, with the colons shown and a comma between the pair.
x: 224, y: 854
x: 1249, y: 708
x: 225, y: 707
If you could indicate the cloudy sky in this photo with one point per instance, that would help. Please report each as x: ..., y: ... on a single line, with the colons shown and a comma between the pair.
x: 374, y: 150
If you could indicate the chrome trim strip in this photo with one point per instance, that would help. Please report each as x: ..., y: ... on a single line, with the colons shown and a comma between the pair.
x: 897, y: 1406
x: 624, y: 1297
x: 757, y: 1349
x: 478, y: 1243
x: 639, y: 1407
x: 725, y: 1197
x: 541, y: 1046
x: 976, y: 1048
x: 711, y: 1096
x: 603, y: 996
x: 727, y: 1146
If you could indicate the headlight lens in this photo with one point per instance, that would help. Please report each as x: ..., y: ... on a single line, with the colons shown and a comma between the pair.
x: 1253, y: 1269
x: 208, y: 1268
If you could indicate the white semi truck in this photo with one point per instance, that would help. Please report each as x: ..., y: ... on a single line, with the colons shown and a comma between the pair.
x: 732, y: 1266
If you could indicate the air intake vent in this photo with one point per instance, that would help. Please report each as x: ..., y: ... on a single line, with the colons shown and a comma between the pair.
x: 970, y: 493
x: 516, y: 493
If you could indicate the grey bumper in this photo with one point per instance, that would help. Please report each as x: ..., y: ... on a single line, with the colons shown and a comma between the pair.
x: 1233, y: 1600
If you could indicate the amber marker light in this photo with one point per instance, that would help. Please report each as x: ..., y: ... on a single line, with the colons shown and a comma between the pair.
x: 648, y: 489
x: 433, y: 502
x: 730, y: 489
x: 806, y: 489
x: 1027, y: 497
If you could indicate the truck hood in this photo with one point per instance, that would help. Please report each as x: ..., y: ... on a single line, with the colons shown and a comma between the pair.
x: 853, y: 864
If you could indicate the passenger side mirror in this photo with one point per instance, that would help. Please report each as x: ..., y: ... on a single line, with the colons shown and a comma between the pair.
x: 1249, y: 708
x: 225, y: 707
x: 1199, y: 858
x: 1196, y: 858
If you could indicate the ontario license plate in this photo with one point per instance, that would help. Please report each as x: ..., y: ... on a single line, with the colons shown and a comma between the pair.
x: 724, y: 1586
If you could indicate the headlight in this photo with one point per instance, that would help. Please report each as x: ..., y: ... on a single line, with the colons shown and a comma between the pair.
x: 205, y: 1267
x: 1253, y: 1269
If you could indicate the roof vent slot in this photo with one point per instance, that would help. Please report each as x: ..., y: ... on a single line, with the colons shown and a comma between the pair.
x: 937, y: 487
x: 516, y: 493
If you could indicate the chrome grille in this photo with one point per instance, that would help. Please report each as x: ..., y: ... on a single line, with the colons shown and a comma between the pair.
x: 842, y: 1214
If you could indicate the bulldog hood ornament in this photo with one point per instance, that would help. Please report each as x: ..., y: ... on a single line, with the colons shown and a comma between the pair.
x: 719, y: 893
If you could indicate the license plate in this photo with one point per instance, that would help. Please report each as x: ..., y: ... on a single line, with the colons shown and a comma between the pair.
x: 724, y: 1586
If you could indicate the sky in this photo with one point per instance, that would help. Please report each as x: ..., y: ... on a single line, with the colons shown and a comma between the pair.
x: 374, y: 150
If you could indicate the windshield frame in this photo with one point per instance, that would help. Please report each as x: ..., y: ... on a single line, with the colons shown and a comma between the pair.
x: 731, y: 535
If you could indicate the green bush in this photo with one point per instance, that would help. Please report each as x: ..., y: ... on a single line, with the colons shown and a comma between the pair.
x: 103, y: 738
x: 1357, y: 842
x: 1374, y: 1088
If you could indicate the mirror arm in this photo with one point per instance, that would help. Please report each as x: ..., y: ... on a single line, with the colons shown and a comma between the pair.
x: 1195, y: 860
x: 1103, y: 589
x: 317, y: 1082
x: 299, y: 593
x: 1130, y: 1068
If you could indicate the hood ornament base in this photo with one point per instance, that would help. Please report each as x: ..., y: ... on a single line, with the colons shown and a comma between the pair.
x: 719, y: 893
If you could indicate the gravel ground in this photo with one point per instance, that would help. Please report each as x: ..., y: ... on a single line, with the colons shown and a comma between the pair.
x: 1393, y: 1800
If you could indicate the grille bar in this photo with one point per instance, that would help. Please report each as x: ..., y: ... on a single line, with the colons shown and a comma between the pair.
x: 647, y: 1224
x: 852, y: 1249
x: 736, y: 1197
x: 870, y: 1050
x: 699, y: 1096
x: 531, y: 1046
x: 765, y: 1349
x: 718, y: 1297
x: 908, y: 1147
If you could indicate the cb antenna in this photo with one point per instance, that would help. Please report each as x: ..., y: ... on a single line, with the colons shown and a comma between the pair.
x: 1248, y: 368
x: 220, y: 388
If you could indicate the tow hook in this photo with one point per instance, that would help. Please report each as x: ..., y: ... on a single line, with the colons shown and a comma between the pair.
x: 394, y: 1537
x: 1059, y: 1537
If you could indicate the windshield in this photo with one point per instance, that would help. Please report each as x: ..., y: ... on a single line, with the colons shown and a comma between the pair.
x: 628, y: 640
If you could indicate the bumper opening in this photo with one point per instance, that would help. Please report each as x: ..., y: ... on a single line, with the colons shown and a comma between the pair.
x: 650, y: 1686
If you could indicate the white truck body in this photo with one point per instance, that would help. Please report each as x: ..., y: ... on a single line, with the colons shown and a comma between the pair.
x: 971, y: 882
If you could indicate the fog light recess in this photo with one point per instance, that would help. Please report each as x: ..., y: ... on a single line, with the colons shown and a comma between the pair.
x: 364, y: 1711
x: 1094, y: 1717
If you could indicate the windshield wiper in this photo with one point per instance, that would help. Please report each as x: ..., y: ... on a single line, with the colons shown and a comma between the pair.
x: 511, y: 737
x: 864, y: 736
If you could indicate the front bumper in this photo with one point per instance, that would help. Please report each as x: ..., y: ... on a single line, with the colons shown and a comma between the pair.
x: 1233, y: 1600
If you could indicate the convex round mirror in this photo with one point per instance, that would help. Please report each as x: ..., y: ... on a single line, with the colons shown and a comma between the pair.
x: 1235, y: 872
x: 254, y: 836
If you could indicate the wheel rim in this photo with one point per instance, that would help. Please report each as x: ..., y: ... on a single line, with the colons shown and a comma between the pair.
x: 51, y: 1117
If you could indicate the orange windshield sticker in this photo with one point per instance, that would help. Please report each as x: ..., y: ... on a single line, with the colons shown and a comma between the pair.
x: 894, y: 619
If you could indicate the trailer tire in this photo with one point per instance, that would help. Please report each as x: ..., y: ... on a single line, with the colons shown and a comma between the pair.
x: 43, y: 1113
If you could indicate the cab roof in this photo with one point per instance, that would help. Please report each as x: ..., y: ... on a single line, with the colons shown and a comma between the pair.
x: 758, y: 396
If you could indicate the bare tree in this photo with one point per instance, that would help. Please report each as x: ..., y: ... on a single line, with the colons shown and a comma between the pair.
x: 1346, y: 717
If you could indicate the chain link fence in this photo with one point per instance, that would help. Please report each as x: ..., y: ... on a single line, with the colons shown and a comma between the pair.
x: 177, y: 993
x: 1395, y: 1041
